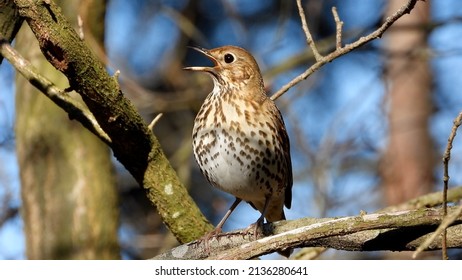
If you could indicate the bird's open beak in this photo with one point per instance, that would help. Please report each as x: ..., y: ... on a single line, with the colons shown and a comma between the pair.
x: 203, y: 68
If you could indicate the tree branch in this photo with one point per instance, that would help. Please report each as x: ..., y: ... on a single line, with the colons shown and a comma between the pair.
x: 397, y: 231
x: 309, y: 37
x: 133, y: 143
x: 426, y: 201
x: 366, y: 239
x: 58, y: 96
x: 448, y: 220
x: 442, y: 228
x: 338, y: 29
x: 405, y: 9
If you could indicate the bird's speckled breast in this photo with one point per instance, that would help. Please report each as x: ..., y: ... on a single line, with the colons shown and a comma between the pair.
x: 243, y: 164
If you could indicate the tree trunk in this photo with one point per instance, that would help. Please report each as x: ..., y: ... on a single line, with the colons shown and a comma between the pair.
x: 407, y: 166
x: 67, y: 182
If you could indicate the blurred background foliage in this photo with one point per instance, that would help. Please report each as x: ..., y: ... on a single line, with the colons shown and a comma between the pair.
x: 352, y: 135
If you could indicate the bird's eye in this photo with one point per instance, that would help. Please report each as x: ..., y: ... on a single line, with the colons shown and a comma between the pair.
x: 229, y: 58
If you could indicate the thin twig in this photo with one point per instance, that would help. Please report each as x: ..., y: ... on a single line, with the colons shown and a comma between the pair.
x: 71, y: 106
x: 155, y: 120
x: 80, y: 30
x: 446, y: 158
x: 448, y: 220
x: 338, y: 29
x: 309, y: 38
x: 445, y: 223
x: 405, y: 9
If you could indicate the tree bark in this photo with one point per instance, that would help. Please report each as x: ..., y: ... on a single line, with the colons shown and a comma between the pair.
x: 407, y: 165
x: 67, y: 183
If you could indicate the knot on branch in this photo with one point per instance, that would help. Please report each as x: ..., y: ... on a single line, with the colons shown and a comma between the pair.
x: 55, y: 54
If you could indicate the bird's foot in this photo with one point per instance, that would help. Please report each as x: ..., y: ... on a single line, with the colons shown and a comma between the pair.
x: 213, y: 233
x: 254, y: 229
x: 207, y: 237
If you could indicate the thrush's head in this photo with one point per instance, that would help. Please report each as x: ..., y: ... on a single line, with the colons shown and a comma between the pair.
x: 233, y: 67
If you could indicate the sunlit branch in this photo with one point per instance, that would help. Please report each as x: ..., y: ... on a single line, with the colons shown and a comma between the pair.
x: 58, y: 96
x: 405, y: 9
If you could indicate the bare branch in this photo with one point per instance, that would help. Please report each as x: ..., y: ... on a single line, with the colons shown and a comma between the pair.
x: 366, y: 240
x: 446, y: 158
x: 71, y: 106
x: 405, y: 9
x: 155, y: 120
x: 434, y: 199
x: 309, y: 38
x: 338, y: 28
x: 370, y: 232
x: 447, y: 221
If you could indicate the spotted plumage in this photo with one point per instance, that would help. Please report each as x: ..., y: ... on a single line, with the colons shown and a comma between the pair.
x: 239, y: 138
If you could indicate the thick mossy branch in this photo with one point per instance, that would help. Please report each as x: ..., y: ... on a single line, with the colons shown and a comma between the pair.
x: 133, y: 143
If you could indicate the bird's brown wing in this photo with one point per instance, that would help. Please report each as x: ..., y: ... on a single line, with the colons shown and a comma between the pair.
x: 286, y: 155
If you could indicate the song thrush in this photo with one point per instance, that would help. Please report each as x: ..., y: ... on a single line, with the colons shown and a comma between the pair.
x: 239, y: 137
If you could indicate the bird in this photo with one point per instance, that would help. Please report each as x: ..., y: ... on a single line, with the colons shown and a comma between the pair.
x: 239, y: 138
